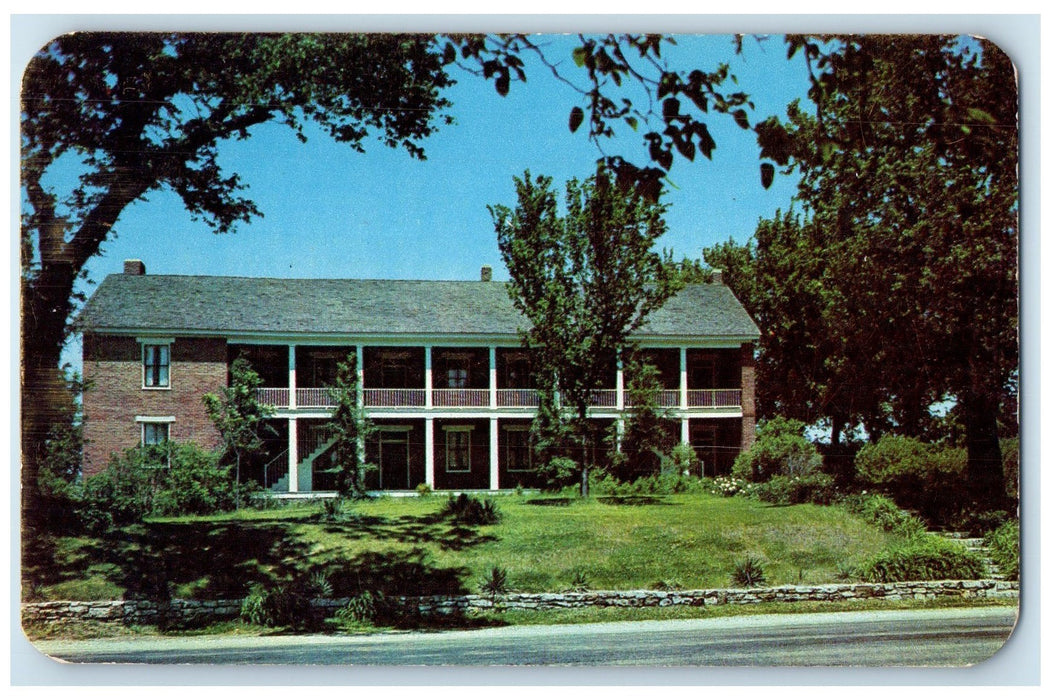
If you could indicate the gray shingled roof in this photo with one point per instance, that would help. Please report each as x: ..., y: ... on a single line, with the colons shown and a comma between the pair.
x: 232, y: 305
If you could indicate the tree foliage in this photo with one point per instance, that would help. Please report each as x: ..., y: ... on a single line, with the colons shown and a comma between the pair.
x: 586, y: 280
x: 239, y: 416
x: 896, y: 287
x: 648, y: 441
x: 350, y: 427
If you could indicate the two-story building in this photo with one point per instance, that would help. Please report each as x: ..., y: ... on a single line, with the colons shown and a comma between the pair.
x: 444, y: 376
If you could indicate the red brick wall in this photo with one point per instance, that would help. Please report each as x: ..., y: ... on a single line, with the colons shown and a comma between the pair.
x: 113, y: 369
x: 747, y: 395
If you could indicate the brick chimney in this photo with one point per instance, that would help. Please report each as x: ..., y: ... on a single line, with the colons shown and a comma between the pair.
x: 134, y: 267
x: 717, y: 277
x: 487, y: 273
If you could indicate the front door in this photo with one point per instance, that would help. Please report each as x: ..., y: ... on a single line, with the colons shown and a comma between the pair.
x: 394, y: 461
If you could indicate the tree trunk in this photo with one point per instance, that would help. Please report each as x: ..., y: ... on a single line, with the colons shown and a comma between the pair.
x: 45, y: 399
x: 985, y: 473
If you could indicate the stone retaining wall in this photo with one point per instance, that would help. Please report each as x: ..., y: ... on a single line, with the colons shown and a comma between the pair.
x: 203, y: 611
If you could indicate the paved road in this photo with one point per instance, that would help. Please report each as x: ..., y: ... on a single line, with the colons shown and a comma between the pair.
x: 949, y: 637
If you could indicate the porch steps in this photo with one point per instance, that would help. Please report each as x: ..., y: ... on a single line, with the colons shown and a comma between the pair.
x: 281, y: 485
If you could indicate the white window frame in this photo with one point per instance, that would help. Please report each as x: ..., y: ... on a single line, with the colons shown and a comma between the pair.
x: 529, y: 451
x: 450, y: 429
x: 165, y: 343
x: 166, y: 421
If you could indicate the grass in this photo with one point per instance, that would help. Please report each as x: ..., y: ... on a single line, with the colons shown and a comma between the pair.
x: 403, y: 546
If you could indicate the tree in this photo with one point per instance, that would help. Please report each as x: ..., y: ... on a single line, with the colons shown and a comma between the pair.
x: 350, y: 427
x: 141, y: 112
x: 147, y: 111
x: 586, y: 281
x: 239, y: 417
x: 647, y: 442
x: 908, y: 182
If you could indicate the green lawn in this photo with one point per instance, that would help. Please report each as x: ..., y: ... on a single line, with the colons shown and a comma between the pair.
x: 401, y: 545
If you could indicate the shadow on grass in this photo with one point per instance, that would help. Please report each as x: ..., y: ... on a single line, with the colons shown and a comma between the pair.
x: 634, y: 500
x: 224, y: 558
x: 561, y: 501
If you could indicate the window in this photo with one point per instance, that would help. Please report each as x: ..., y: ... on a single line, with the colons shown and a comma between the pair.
x: 456, y: 377
x: 156, y: 362
x: 519, y: 456
x: 154, y: 433
x: 458, y: 449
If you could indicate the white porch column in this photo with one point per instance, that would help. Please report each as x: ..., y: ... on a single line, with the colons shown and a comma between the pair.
x: 494, y: 456
x: 360, y: 352
x: 492, y: 376
x: 685, y: 436
x: 293, y: 456
x: 620, y: 431
x: 428, y: 378
x: 291, y: 376
x: 428, y: 452
x: 620, y: 386
x: 683, y: 396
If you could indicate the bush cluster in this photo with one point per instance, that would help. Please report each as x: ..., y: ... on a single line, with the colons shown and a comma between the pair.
x: 924, y: 557
x: 815, y: 487
x: 780, y: 449
x: 287, y: 605
x: 605, y: 484
x: 884, y: 513
x: 167, y: 480
x: 917, y: 475
x: 1004, y: 546
x: 468, y: 510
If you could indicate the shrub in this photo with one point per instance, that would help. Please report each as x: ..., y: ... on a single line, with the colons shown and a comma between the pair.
x: 195, y: 484
x: 495, y: 582
x: 790, y: 490
x: 917, y: 475
x: 1004, y: 544
x: 423, y: 490
x: 1009, y: 450
x: 923, y: 558
x: 367, y: 608
x: 580, y: 583
x: 468, y: 510
x: 286, y: 605
x: 682, y: 458
x: 779, y: 449
x: 748, y: 573
x: 883, y: 513
x: 123, y: 492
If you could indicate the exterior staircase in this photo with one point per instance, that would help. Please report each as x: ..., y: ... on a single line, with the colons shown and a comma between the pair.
x: 305, y: 467
x: 976, y: 545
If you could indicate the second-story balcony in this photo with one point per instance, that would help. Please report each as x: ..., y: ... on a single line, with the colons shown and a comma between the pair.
x: 320, y: 397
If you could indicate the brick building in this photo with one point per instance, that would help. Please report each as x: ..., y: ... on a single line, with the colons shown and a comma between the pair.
x: 444, y: 376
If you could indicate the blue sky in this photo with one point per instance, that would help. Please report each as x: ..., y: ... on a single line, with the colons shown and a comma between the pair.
x: 331, y: 212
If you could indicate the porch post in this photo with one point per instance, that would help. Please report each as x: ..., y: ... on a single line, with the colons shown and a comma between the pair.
x: 291, y: 375
x: 492, y: 376
x: 428, y: 451
x: 620, y: 384
x: 684, y: 402
x: 494, y: 456
x: 428, y: 378
x: 293, y: 456
x: 685, y: 434
x: 360, y: 352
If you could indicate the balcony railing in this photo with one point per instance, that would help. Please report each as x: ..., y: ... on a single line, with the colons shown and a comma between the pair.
x: 386, y: 398
x: 713, y: 398
x: 480, y: 398
x: 472, y: 398
x: 517, y: 398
